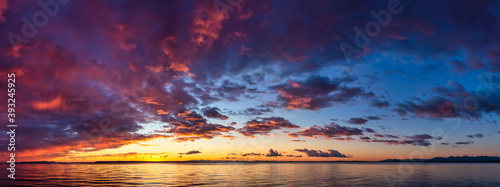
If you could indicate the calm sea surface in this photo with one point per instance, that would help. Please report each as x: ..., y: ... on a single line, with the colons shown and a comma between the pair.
x: 257, y: 174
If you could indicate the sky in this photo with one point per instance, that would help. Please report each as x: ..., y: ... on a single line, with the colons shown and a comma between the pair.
x: 251, y: 80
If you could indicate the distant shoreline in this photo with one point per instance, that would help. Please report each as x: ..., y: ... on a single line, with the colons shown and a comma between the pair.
x: 250, y: 162
x: 451, y: 159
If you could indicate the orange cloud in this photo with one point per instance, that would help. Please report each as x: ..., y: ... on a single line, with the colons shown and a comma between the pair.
x: 295, y: 102
x: 47, y: 105
x: 132, y: 67
x: 149, y: 100
x: 160, y: 112
x: 295, y: 84
x: 206, y: 27
x: 179, y: 67
x: 75, y: 147
x: 156, y: 69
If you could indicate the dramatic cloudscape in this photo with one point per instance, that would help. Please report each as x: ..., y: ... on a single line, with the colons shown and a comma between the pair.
x: 251, y: 80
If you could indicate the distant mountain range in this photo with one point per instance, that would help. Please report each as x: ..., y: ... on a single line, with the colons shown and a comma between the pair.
x: 450, y: 159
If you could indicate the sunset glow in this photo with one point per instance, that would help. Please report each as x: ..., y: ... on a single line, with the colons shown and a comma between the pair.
x: 260, y: 81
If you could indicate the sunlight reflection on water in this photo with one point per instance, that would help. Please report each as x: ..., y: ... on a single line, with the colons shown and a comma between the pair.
x: 256, y: 174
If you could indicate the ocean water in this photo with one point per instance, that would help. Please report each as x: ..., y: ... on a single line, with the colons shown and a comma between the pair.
x: 256, y: 174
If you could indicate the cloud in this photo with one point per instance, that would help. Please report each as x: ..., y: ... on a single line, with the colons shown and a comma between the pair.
x: 213, y: 113
x: 254, y: 78
x: 190, y: 152
x: 331, y: 131
x: 453, y: 101
x: 251, y: 154
x: 475, y: 136
x: 328, y: 153
x: 230, y: 90
x: 124, y: 155
x: 47, y: 105
x: 357, y: 121
x: 420, y: 137
x: 457, y: 65
x: 297, y: 141
x: 464, y: 143
x: 188, y: 125
x: 273, y: 153
x: 253, y: 111
x: 317, y: 92
x: 364, y: 139
x: 403, y: 142
x: 262, y: 126
x: 436, y: 107
x: 385, y: 136
x: 373, y: 118
x: 417, y: 140
x: 369, y: 130
x: 379, y: 104
x: 206, y: 26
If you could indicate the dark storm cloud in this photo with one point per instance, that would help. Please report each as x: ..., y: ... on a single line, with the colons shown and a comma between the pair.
x: 213, y: 113
x: 263, y: 126
x: 319, y: 153
x: 273, y: 153
x: 332, y: 131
